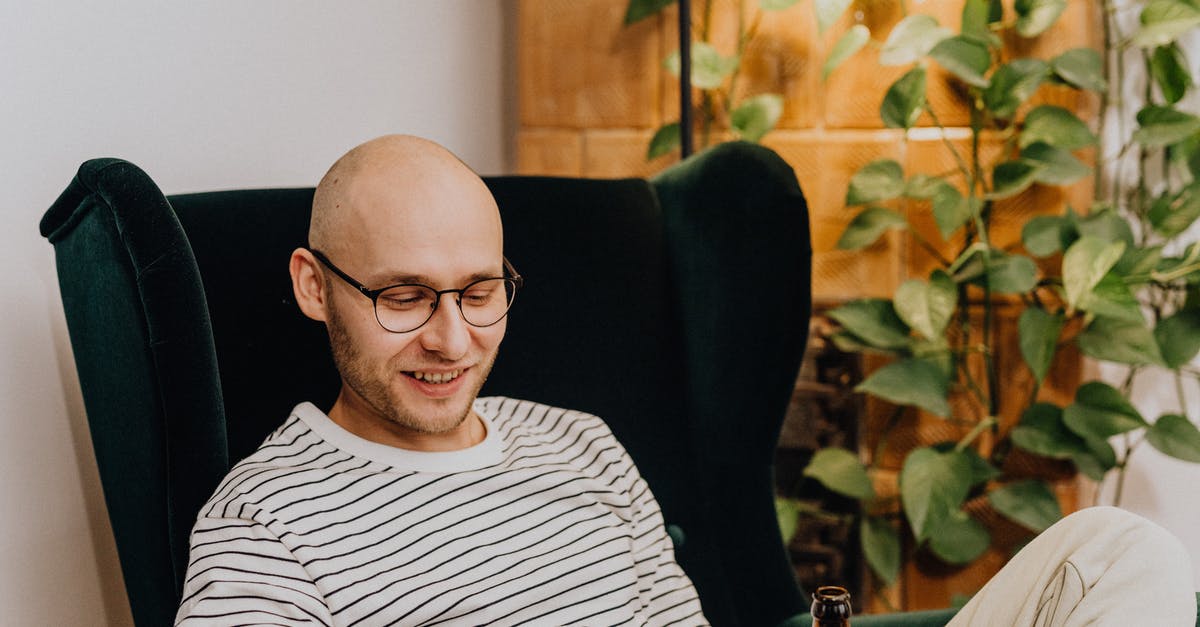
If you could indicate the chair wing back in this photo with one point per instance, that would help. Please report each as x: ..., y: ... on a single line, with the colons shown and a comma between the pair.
x: 144, y: 351
x: 675, y: 308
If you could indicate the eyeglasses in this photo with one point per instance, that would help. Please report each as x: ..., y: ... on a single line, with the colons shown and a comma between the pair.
x: 408, y: 306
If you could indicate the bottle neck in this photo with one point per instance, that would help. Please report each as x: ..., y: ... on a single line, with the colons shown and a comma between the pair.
x: 831, y: 607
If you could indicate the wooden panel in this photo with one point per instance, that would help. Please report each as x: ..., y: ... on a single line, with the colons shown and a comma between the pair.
x: 824, y: 163
x: 621, y: 153
x: 580, y: 66
x: 855, y: 90
x: 550, y: 152
x: 783, y: 57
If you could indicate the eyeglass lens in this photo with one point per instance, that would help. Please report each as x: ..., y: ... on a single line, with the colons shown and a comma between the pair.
x: 407, y: 307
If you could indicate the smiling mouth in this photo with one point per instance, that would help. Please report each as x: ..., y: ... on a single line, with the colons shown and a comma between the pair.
x: 435, y: 378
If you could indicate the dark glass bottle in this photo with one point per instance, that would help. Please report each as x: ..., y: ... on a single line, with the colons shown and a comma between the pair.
x: 831, y: 607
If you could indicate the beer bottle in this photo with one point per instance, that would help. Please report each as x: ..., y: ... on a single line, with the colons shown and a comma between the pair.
x: 831, y: 607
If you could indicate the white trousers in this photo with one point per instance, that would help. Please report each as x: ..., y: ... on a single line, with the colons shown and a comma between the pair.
x: 1099, y: 566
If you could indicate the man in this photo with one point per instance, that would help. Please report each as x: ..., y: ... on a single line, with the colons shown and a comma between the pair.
x: 413, y: 501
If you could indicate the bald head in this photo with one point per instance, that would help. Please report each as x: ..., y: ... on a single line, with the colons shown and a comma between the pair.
x: 388, y: 182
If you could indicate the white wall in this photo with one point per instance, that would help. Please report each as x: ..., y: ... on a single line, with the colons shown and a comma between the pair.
x: 201, y: 95
x: 1157, y: 486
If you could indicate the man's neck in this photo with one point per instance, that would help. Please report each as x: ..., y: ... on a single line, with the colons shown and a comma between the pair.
x: 363, y: 421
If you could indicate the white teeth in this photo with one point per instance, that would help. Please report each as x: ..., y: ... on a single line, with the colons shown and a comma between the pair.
x: 437, y: 377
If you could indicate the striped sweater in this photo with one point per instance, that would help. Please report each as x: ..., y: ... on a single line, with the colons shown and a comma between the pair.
x: 545, y: 522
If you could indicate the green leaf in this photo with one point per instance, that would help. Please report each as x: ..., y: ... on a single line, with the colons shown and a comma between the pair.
x: 849, y: 343
x: 1170, y: 71
x: 927, y: 307
x: 1005, y: 273
x: 1104, y: 223
x: 923, y: 186
x: 1038, y: 332
x: 776, y: 5
x: 910, y: 382
x: 905, y: 99
x: 1059, y: 167
x: 1100, y: 412
x: 878, y: 180
x: 849, y: 43
x: 1035, y: 16
x: 965, y: 57
x: 912, y: 38
x: 868, y: 226
x: 1056, y: 126
x: 1012, y: 84
x: 1163, y: 21
x: 978, y: 15
x: 874, y: 321
x: 1111, y: 298
x: 1084, y: 264
x: 959, y: 539
x: 1042, y: 432
x: 1120, y: 341
x: 1013, y: 177
x: 638, y: 10
x: 1081, y: 67
x: 1185, y: 155
x: 755, y: 116
x: 980, y: 470
x: 1011, y: 274
x: 665, y: 140
x: 1161, y: 125
x: 709, y: 68
x: 1030, y: 503
x: 1138, y: 261
x: 1173, y: 265
x: 1171, y: 215
x: 828, y: 12
x: 1044, y: 235
x: 932, y: 488
x: 1092, y: 466
x: 881, y: 546
x: 840, y: 471
x: 1176, y: 436
x: 1178, y: 337
x: 950, y: 209
x: 787, y: 514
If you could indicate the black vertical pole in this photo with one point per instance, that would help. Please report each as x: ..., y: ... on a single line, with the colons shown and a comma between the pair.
x: 685, y: 78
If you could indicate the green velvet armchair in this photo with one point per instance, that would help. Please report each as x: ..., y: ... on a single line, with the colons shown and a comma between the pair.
x: 686, y: 339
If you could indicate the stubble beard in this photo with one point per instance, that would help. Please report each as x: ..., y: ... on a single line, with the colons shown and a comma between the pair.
x: 377, y: 391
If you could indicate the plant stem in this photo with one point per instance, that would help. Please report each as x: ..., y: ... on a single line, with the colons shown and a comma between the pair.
x: 881, y: 446
x: 962, y: 163
x: 930, y: 248
x: 1105, y: 100
x: 1179, y: 390
x: 980, y: 427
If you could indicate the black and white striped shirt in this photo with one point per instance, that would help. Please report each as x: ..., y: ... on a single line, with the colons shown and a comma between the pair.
x: 546, y: 522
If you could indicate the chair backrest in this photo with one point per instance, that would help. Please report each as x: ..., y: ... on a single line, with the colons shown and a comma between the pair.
x: 676, y: 309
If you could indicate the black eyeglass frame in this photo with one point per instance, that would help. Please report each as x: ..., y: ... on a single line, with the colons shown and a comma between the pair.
x: 511, y: 275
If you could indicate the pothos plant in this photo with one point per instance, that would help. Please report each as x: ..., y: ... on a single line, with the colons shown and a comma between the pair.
x: 716, y: 76
x: 1115, y: 280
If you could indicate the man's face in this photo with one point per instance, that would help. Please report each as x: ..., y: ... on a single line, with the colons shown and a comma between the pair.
x: 423, y: 381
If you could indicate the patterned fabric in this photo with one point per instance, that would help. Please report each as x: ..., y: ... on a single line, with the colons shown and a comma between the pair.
x: 546, y: 521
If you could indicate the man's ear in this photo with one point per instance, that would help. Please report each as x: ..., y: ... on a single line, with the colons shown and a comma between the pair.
x: 308, y: 283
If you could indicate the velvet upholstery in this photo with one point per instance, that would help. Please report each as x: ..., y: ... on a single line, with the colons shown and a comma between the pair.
x: 674, y: 308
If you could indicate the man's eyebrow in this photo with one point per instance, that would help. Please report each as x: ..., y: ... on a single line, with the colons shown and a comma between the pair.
x: 423, y: 279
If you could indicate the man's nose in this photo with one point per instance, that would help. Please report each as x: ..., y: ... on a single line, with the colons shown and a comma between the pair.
x: 447, y: 333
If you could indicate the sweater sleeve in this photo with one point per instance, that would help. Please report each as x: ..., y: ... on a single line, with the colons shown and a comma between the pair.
x: 240, y: 573
x: 667, y: 593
